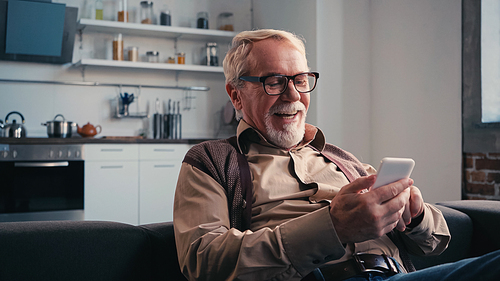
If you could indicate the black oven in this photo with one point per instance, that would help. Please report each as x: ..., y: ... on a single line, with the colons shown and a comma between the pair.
x: 41, y: 182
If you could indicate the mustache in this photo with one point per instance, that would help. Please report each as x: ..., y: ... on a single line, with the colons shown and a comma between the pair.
x: 287, y: 107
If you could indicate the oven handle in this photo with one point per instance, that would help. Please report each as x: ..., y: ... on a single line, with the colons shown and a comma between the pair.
x: 42, y: 164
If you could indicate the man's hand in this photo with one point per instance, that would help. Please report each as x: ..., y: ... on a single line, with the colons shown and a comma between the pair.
x: 359, y: 216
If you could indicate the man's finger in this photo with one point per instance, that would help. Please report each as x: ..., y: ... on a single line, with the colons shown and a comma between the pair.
x: 387, y: 192
x: 359, y: 184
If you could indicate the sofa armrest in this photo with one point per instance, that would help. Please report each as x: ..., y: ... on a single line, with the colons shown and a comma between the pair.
x: 485, y: 216
x: 460, y: 226
x: 165, y: 232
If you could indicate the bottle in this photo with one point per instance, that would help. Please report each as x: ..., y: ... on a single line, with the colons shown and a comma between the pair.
x: 118, y: 47
x: 98, y: 10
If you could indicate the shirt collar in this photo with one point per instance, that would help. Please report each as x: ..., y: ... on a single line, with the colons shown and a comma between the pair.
x: 246, y: 135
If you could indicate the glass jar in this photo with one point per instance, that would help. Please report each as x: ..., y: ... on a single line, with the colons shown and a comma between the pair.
x: 122, y: 11
x: 202, y: 20
x: 153, y: 56
x: 225, y: 21
x: 118, y: 47
x: 171, y: 60
x: 133, y: 53
x: 165, y: 18
x: 211, y: 54
x: 147, y: 14
x: 181, y: 58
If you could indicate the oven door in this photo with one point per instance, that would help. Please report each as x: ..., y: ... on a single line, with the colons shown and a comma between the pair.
x: 41, y: 190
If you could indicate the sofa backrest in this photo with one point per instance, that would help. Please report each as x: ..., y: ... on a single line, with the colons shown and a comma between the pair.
x: 81, y: 250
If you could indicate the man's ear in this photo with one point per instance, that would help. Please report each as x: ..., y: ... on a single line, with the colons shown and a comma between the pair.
x: 234, y: 95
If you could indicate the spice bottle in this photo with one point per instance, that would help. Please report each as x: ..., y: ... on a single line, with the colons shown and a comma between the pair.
x: 118, y: 47
x: 181, y: 58
x: 147, y: 12
x: 202, y: 20
x: 98, y: 10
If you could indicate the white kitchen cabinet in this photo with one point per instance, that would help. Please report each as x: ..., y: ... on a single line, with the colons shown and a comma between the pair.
x: 159, y: 167
x: 112, y: 183
x: 131, y: 183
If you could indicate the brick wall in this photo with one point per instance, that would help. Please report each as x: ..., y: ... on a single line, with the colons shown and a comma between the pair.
x: 481, y: 176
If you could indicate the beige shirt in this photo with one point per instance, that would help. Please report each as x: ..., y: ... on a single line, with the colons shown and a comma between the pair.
x: 291, y: 230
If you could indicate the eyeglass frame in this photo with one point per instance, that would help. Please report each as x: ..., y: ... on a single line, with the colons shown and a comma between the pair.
x: 262, y: 79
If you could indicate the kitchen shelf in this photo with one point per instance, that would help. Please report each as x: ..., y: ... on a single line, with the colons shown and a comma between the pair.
x: 149, y: 65
x: 150, y: 30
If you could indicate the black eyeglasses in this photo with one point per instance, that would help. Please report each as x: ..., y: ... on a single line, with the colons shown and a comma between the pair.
x: 277, y: 84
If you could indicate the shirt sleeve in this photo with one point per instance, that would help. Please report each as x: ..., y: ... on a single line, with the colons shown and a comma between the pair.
x: 431, y: 236
x: 208, y: 249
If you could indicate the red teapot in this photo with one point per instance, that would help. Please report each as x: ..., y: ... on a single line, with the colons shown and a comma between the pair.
x: 88, y: 130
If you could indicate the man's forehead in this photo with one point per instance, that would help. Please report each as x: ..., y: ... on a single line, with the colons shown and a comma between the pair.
x: 266, y: 53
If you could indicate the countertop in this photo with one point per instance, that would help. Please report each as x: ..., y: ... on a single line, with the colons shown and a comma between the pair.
x: 101, y: 140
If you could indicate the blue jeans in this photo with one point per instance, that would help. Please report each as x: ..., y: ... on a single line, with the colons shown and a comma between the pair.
x: 486, y: 267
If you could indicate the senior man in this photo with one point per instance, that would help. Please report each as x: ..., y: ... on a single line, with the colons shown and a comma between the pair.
x: 276, y: 202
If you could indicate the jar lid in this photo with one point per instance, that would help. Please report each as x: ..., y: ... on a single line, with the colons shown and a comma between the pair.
x: 225, y: 15
x: 146, y: 3
x: 181, y: 54
x: 152, y: 53
x: 211, y: 44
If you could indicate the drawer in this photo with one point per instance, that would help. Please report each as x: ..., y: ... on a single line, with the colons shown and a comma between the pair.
x: 111, y: 152
x: 163, y: 151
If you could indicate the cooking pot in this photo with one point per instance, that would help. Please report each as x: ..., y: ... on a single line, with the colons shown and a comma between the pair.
x: 14, y: 130
x: 59, y: 129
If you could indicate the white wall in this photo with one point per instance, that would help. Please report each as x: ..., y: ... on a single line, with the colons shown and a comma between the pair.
x: 399, y: 91
x: 416, y: 90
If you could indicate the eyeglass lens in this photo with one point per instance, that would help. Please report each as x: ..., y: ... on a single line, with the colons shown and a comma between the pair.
x: 276, y: 85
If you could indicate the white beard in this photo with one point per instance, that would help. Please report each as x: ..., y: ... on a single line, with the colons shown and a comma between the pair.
x: 292, y: 133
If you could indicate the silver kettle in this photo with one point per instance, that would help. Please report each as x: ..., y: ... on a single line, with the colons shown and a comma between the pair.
x: 14, y: 130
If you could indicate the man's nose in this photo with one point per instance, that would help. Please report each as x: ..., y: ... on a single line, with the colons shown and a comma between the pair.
x: 291, y: 94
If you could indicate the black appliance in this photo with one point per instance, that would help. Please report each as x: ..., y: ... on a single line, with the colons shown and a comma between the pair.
x: 41, y: 182
x: 68, y: 38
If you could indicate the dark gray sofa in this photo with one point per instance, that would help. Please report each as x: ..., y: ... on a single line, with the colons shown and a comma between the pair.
x: 86, y: 250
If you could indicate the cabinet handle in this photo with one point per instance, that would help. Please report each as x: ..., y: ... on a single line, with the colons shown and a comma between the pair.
x: 112, y: 167
x: 164, y: 149
x: 42, y: 164
x: 165, y: 166
x: 111, y: 149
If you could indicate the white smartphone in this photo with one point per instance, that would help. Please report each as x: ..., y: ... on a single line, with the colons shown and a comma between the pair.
x: 393, y: 169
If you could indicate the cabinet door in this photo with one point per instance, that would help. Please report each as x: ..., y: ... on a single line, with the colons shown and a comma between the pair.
x: 158, y: 180
x: 111, y: 191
